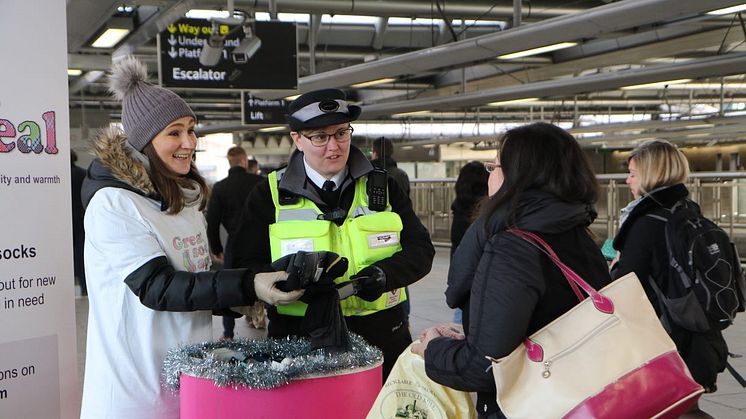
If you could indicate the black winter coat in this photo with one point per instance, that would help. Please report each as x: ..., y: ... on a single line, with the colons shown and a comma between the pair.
x: 226, y: 203
x: 510, y: 289
x: 642, y: 244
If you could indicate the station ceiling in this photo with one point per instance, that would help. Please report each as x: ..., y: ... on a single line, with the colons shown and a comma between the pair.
x: 636, y: 69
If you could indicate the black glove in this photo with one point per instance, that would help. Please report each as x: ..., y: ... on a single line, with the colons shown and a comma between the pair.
x: 306, y: 268
x: 370, y: 283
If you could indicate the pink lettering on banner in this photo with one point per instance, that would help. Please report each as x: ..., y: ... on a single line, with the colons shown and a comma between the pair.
x: 49, y: 121
x: 31, y: 140
x: 7, y: 130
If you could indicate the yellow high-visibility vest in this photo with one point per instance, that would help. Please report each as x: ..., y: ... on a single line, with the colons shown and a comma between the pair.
x: 365, y: 237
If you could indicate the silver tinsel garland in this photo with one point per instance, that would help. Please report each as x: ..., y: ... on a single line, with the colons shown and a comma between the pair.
x: 263, y: 364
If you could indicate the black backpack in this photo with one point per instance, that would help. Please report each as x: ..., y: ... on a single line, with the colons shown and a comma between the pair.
x: 704, y: 288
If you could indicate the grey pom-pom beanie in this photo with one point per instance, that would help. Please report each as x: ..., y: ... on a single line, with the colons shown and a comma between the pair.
x: 146, y: 109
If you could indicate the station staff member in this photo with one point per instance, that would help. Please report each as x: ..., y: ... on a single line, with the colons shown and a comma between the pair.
x: 318, y: 202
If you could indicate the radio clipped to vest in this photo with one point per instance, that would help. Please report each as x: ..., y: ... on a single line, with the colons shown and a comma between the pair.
x: 377, y: 187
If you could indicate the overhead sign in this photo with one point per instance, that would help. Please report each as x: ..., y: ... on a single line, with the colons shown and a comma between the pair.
x: 273, y: 66
x: 263, y: 111
x: 38, y: 365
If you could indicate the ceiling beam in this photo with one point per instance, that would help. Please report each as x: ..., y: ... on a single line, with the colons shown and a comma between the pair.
x: 575, y: 27
x: 462, y: 9
x: 706, y: 67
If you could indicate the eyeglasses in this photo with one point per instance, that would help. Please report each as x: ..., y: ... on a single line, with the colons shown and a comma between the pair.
x: 321, y: 139
x: 490, y: 166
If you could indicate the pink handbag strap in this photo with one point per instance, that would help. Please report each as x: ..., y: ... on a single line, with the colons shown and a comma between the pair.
x: 600, y: 301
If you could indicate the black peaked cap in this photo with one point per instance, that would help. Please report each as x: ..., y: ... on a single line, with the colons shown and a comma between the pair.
x: 326, y: 112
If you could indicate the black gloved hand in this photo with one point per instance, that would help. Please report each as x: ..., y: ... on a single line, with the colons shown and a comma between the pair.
x: 370, y: 283
x: 306, y: 268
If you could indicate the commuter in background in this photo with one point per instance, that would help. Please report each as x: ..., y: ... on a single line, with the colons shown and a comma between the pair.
x: 146, y: 256
x: 382, y: 157
x: 226, y: 202
x: 319, y: 201
x: 76, y: 183
x: 471, y: 188
x: 657, y: 173
x: 540, y: 182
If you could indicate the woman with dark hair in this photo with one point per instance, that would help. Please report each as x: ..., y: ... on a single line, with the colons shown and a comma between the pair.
x: 540, y: 182
x: 657, y: 173
x: 147, y: 260
x: 471, y: 187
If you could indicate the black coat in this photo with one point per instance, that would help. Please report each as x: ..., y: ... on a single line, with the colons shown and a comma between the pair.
x: 226, y: 203
x: 642, y: 245
x: 511, y: 289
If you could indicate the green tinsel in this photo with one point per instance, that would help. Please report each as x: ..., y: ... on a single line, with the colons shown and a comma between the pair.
x: 263, y: 364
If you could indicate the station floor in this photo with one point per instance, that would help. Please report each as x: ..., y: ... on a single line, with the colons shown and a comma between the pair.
x: 429, y: 308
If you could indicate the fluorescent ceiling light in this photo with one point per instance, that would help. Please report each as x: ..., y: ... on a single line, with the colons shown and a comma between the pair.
x: 728, y: 10
x: 110, y: 37
x: 656, y: 85
x: 272, y: 129
x: 694, y: 126
x: 74, y: 72
x: 206, y: 14
x: 373, y: 82
x: 698, y: 135
x: 291, y: 97
x: 535, y: 51
x: 410, y: 113
x: 508, y: 102
x: 708, y: 86
x: 407, y: 147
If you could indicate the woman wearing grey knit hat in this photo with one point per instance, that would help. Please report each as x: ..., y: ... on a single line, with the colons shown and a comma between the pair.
x: 146, y: 255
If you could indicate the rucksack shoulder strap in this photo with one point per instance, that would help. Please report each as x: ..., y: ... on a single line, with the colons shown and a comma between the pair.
x: 657, y: 217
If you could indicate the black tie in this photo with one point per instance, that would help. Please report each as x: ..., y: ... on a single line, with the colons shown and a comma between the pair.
x: 328, y: 185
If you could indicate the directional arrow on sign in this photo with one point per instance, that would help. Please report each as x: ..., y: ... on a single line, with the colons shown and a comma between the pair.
x: 172, y: 40
x: 172, y: 53
x: 172, y: 28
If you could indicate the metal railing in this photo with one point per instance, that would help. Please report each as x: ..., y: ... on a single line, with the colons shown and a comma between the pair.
x: 722, y: 196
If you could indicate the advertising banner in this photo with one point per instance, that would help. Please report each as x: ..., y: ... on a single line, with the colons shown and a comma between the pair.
x: 38, y: 361
x: 236, y: 64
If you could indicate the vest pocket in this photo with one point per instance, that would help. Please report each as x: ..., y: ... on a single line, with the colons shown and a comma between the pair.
x: 374, y: 237
x: 291, y: 236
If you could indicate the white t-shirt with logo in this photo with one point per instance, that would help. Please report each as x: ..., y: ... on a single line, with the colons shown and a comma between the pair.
x: 127, y: 341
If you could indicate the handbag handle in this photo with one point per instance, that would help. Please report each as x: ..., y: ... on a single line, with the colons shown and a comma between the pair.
x: 600, y: 301
x: 534, y: 351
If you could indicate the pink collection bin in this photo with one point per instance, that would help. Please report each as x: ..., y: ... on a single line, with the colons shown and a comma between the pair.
x: 348, y: 395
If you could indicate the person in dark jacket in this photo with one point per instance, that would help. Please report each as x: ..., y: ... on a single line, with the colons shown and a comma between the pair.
x: 78, y: 174
x: 224, y: 208
x: 542, y: 183
x: 319, y: 195
x: 146, y: 255
x: 227, y: 199
x: 471, y: 188
x: 657, y: 172
x: 382, y: 157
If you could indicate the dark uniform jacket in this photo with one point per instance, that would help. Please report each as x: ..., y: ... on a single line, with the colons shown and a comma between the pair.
x: 250, y: 247
x: 642, y: 244
x: 509, y: 289
x: 226, y: 202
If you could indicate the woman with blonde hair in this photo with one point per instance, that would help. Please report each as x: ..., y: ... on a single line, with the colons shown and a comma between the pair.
x: 657, y: 173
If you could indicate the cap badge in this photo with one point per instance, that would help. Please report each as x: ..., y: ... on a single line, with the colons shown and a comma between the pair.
x: 328, y: 106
